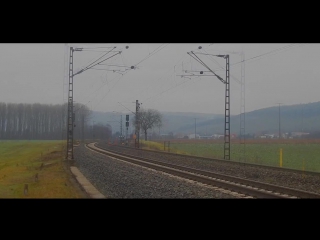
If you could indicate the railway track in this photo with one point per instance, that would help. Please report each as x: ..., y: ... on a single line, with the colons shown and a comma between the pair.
x: 290, y: 170
x: 243, y: 187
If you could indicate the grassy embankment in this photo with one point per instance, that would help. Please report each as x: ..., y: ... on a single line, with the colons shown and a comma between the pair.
x: 160, y: 146
x: 301, y: 155
x: 35, y: 169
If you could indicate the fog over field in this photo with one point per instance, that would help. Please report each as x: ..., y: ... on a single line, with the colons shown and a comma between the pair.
x: 165, y: 76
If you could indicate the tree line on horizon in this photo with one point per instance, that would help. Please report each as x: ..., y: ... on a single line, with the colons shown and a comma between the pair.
x: 22, y: 121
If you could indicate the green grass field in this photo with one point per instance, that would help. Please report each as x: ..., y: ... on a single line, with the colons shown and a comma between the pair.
x: 302, y: 156
x: 40, y: 165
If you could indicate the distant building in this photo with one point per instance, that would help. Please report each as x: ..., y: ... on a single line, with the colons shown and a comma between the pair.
x: 179, y: 135
x: 194, y: 136
x: 268, y: 135
x: 217, y: 136
x: 206, y: 137
x: 299, y: 134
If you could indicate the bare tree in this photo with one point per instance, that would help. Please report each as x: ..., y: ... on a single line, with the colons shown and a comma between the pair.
x: 148, y: 119
x: 46, y: 121
x: 82, y: 114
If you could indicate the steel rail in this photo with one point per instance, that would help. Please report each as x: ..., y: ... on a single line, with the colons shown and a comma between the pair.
x: 244, y: 186
x: 226, y: 161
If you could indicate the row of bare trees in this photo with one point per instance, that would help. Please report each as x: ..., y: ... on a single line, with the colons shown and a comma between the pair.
x: 31, y: 121
x: 46, y: 121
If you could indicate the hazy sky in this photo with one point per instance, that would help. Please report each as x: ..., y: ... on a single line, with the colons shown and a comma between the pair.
x: 284, y: 73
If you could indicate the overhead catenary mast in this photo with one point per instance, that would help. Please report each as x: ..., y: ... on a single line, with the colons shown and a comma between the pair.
x: 70, y: 112
x: 70, y: 109
x: 226, y: 81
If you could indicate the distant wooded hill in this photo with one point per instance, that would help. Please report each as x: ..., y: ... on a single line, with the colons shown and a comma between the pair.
x: 46, y: 121
x: 293, y: 118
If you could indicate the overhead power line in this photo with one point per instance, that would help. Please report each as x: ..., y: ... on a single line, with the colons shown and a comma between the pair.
x: 152, y: 53
x: 94, y: 63
x: 205, y: 65
x: 267, y: 53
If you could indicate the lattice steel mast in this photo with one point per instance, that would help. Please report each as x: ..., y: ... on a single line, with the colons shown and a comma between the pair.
x: 227, y: 98
x: 70, y: 114
x: 70, y: 109
x: 227, y: 112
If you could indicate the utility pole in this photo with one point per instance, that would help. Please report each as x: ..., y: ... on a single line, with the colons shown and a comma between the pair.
x: 121, y: 128
x: 242, y: 110
x: 279, y: 122
x: 137, y: 130
x: 195, y: 127
x: 127, y: 125
x: 92, y: 129
x: 302, y: 120
x: 121, y: 132
x: 82, y: 128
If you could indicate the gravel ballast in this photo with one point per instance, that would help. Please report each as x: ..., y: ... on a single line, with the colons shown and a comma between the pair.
x: 302, y: 181
x: 118, y: 179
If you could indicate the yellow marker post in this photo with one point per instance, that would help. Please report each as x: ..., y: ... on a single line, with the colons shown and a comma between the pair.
x: 280, y: 157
